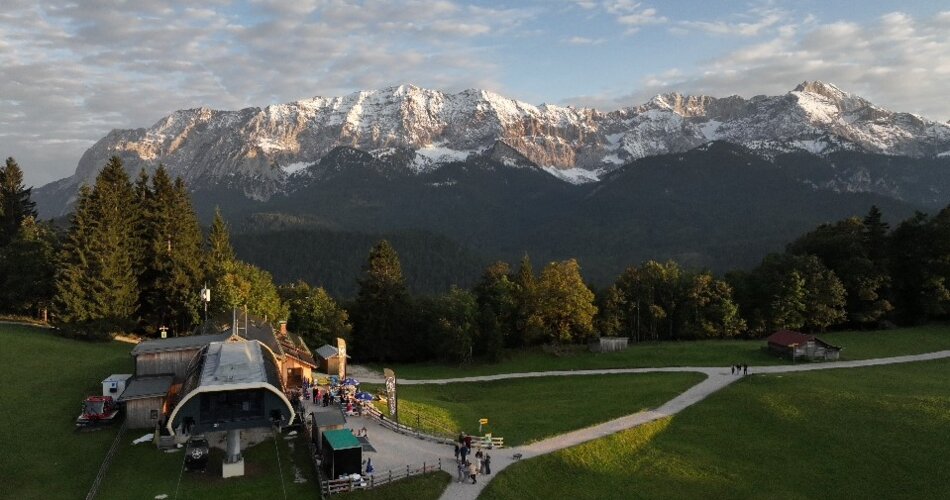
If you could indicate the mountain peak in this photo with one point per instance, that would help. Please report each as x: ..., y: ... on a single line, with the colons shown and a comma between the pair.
x: 829, y: 90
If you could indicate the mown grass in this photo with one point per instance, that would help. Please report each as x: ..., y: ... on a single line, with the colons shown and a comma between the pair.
x: 526, y: 410
x: 857, y: 345
x: 860, y: 433
x: 45, y: 378
x: 424, y: 487
x: 142, y: 471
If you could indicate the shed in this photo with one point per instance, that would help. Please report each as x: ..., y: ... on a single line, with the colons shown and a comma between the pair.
x: 144, y: 400
x: 798, y: 345
x: 342, y: 453
x: 170, y: 356
x: 328, y: 359
x: 326, y: 421
x: 115, y: 385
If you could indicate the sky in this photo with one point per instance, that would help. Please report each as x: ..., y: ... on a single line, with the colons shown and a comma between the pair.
x: 72, y: 70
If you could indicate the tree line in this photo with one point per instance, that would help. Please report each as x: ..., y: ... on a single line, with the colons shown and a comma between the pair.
x: 134, y: 258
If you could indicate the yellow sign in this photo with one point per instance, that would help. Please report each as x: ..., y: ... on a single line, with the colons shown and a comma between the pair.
x: 483, y: 421
x: 341, y: 350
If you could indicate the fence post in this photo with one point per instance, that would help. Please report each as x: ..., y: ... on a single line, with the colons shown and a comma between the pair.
x: 390, y: 475
x: 372, y: 481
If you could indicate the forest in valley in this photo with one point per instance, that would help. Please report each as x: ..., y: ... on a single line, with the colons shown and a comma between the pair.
x: 134, y: 257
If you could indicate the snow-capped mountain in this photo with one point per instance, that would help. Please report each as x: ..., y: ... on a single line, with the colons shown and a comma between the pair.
x: 261, y: 151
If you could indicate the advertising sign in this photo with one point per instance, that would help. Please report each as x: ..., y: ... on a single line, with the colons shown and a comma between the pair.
x: 391, y: 393
x: 341, y: 347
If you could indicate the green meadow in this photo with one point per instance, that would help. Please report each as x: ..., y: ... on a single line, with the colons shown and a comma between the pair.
x: 856, y: 344
x: 530, y: 409
x: 876, y: 432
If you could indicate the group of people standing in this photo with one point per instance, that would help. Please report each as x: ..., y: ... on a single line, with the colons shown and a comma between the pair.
x: 470, y: 467
x: 740, y: 369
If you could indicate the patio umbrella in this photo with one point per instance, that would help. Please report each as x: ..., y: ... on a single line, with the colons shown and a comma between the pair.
x: 350, y: 381
x: 364, y: 396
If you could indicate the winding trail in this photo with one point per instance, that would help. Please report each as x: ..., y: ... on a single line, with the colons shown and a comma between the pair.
x: 716, y: 379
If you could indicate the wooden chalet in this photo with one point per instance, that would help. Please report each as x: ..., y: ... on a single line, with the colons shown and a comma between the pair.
x: 295, y: 360
x: 328, y: 359
x: 797, y: 345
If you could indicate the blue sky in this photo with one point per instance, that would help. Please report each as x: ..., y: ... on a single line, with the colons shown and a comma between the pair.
x: 73, y: 71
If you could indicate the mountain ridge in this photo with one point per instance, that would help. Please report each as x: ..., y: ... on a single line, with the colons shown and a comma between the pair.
x: 265, y: 151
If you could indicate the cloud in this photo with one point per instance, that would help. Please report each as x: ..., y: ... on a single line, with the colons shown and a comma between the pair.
x: 764, y: 19
x: 896, y: 61
x: 75, y: 70
x: 581, y: 40
x: 633, y: 15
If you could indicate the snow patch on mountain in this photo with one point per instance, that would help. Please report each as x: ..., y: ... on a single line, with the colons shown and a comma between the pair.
x: 295, y: 167
x: 574, y: 175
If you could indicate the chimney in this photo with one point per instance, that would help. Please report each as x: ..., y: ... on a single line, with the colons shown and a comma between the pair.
x: 283, y: 328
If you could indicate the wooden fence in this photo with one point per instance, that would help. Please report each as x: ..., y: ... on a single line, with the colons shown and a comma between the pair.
x: 370, y: 481
x: 375, y: 414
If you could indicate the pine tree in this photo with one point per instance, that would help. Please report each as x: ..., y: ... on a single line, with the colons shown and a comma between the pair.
x: 382, y: 308
x: 97, y: 288
x: 173, y: 273
x: 28, y: 267
x: 495, y: 295
x: 527, y: 323
x: 15, y: 202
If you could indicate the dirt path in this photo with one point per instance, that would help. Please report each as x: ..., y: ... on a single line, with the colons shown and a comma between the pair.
x: 716, y: 379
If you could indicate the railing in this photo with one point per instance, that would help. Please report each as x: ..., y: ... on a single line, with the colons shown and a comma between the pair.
x: 377, y: 479
x: 375, y: 414
x: 106, y: 462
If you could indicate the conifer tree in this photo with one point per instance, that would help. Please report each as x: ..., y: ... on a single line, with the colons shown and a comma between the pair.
x: 97, y: 288
x: 173, y: 274
x: 28, y: 267
x: 495, y: 296
x: 382, y: 308
x: 15, y: 202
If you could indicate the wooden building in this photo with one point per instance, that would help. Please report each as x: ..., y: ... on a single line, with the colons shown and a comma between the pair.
x: 325, y: 421
x: 170, y: 356
x: 144, y: 399
x: 294, y: 357
x: 342, y: 453
x: 797, y: 345
x: 328, y: 359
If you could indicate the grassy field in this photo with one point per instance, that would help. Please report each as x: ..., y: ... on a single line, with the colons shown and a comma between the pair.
x: 864, y: 433
x: 857, y: 345
x: 525, y: 410
x: 142, y: 471
x: 45, y: 380
x: 426, y: 487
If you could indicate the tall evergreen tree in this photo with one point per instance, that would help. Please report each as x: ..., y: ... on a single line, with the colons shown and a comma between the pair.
x: 27, y: 268
x: 527, y: 323
x: 382, y: 311
x: 97, y: 289
x: 173, y: 256
x: 15, y: 201
x: 495, y: 295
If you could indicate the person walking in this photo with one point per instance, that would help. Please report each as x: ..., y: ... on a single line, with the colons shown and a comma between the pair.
x: 745, y: 369
x: 486, y: 464
x: 463, y: 452
x: 462, y: 470
x: 472, y: 471
x: 733, y: 368
x: 456, y: 451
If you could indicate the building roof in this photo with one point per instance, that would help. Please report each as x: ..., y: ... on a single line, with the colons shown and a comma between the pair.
x: 327, y: 351
x: 282, y: 345
x: 233, y: 363
x: 328, y: 418
x: 146, y: 387
x: 790, y: 338
x: 177, y: 343
x: 342, y: 439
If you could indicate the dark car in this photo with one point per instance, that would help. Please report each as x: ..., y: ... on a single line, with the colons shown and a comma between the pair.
x: 196, y: 453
